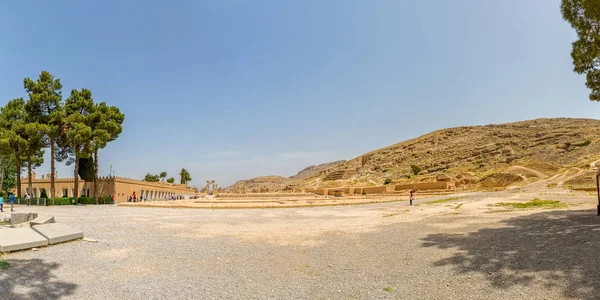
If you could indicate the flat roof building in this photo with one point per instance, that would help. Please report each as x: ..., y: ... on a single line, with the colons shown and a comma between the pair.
x: 120, y: 187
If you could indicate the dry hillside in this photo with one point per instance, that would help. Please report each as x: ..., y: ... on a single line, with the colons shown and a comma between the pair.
x: 482, y: 156
x: 280, y: 184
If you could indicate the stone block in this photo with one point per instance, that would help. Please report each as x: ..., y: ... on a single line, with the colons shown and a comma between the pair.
x: 42, y: 220
x: 58, y: 233
x: 13, y: 239
x: 16, y: 218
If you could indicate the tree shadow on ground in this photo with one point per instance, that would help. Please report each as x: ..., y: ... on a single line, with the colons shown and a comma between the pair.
x: 32, y: 279
x: 557, y: 249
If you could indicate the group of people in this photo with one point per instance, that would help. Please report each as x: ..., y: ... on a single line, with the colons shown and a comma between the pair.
x: 11, y: 200
x: 134, y: 198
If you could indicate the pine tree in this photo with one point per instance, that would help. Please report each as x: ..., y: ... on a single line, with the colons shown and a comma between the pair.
x: 45, y: 105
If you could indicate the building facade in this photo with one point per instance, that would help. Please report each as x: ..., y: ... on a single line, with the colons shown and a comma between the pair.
x: 107, y: 186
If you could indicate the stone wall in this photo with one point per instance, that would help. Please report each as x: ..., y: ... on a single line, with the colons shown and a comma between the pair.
x: 386, y: 189
x: 340, y: 175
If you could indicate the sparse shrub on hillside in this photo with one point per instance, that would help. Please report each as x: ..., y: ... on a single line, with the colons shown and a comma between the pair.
x: 499, y: 145
x: 584, y: 143
x: 415, y: 169
x: 387, y: 181
x: 384, y: 170
x: 567, y: 146
x: 376, y: 168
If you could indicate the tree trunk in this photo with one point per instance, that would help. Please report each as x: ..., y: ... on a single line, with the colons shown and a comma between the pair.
x: 18, y: 159
x: 30, y: 190
x: 2, y: 171
x: 76, y: 178
x: 95, y: 174
x: 52, y: 170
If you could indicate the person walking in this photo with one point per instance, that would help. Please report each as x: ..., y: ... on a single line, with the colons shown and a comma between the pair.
x: 11, y: 200
x: 27, y: 199
x: 112, y: 199
x: 1, y: 204
x: 412, y: 197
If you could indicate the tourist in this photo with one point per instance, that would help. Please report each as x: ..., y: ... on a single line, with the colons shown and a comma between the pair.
x: 412, y: 197
x: 128, y: 198
x: 27, y: 198
x: 11, y: 199
x: 1, y: 204
x: 112, y: 199
x: 145, y: 198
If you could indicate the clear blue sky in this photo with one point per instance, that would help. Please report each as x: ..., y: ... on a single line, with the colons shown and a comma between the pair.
x: 236, y: 89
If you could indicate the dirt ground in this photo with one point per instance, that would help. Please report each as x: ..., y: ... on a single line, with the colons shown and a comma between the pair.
x: 461, y: 246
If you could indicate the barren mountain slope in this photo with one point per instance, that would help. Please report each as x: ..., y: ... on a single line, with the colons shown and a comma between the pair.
x: 541, y: 146
x: 280, y: 184
x: 313, y: 171
x: 491, y: 155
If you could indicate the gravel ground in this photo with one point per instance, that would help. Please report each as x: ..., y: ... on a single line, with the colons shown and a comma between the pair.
x: 377, y: 251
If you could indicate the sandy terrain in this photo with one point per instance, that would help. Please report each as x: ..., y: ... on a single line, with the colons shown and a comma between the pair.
x: 463, y: 247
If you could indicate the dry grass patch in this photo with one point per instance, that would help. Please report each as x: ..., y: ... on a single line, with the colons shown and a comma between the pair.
x: 535, y: 203
x: 444, y: 200
x: 497, y: 211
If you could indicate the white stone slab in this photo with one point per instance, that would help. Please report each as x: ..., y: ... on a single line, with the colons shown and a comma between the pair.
x: 13, y: 239
x: 58, y: 233
x: 43, y: 220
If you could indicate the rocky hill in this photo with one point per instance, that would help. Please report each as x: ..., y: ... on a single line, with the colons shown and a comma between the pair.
x: 282, y: 184
x: 486, y: 156
x: 313, y: 171
x: 529, y: 149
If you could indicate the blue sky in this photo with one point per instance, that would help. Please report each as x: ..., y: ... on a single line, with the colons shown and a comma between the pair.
x: 236, y: 89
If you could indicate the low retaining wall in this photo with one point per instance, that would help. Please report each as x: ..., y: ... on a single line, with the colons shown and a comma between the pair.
x: 386, y: 189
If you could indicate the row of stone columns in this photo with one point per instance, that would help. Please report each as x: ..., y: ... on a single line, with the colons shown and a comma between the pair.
x: 211, y: 184
x: 157, y: 195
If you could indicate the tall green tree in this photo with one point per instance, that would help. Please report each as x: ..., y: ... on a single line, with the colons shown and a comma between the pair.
x: 106, y: 123
x: 77, y: 132
x: 584, y: 17
x: 12, y: 121
x: 86, y: 168
x: 35, y: 135
x: 45, y: 106
x: 8, y: 171
x: 32, y: 160
x: 151, y: 178
x: 171, y: 180
x: 163, y: 175
x: 185, y: 176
